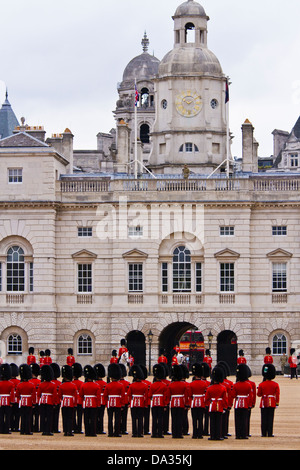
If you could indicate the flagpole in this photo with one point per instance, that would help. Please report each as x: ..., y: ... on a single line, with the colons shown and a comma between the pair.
x: 227, y: 129
x: 135, y: 138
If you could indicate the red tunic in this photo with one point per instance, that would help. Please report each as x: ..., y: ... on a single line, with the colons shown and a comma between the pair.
x: 269, y: 392
x: 241, y: 360
x: 179, y: 397
x: 31, y: 359
x: 197, y: 391
x: 242, y: 392
x: 292, y: 362
x: 125, y: 384
x: 138, y: 394
x: 208, y: 360
x: 216, y: 398
x: 67, y: 394
x: 162, y: 359
x: 122, y: 350
x: 70, y: 360
x: 7, y: 392
x: 90, y: 395
x: 268, y: 359
x: 36, y: 382
x: 114, y: 395
x: 16, y: 382
x: 47, y: 393
x: 159, y: 394
x: 25, y: 394
x: 114, y: 360
x: 47, y: 360
x: 78, y: 384
x: 102, y: 386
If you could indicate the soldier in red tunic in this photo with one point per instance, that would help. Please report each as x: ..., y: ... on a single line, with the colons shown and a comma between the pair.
x: 178, y: 400
x: 77, y: 373
x: 31, y: 359
x: 25, y: 393
x: 6, y: 395
x: 207, y: 358
x: 67, y: 393
x: 56, y: 407
x: 100, y: 374
x: 229, y: 386
x: 162, y: 358
x: 70, y: 358
x: 42, y: 358
x: 242, y: 392
x: 114, y: 359
x: 47, y: 358
x: 15, y: 411
x: 124, y: 410
x: 47, y: 396
x: 137, y: 395
x: 159, y: 397
x: 268, y: 359
x: 123, y: 349
x: 114, y: 395
x: 241, y: 359
x: 269, y: 392
x: 91, y: 397
x: 35, y: 371
x: 216, y: 400
x: 197, y: 391
x: 292, y: 360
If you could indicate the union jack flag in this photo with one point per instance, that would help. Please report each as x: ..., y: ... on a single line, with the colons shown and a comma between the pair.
x: 137, y: 96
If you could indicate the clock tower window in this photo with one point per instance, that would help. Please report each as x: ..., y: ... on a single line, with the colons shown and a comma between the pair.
x: 190, y: 33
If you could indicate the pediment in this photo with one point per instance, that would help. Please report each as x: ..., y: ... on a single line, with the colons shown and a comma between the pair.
x: 279, y: 253
x: 227, y: 253
x: 84, y: 254
x: 22, y: 139
x: 135, y: 253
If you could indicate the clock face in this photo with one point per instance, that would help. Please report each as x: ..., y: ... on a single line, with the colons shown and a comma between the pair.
x: 189, y: 103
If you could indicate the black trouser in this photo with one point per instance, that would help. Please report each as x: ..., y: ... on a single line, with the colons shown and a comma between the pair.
x: 146, y: 419
x: 206, y: 422
x: 68, y: 419
x: 294, y: 372
x: 78, y: 419
x: 157, y: 421
x: 137, y: 417
x: 114, y: 421
x: 55, y: 419
x: 241, y: 418
x: 215, y: 419
x: 177, y: 415
x: 46, y: 415
x: 99, y: 419
x: 124, y: 414
x: 15, y: 417
x: 197, y: 418
x: 90, y: 415
x: 26, y: 419
x: 166, y: 419
x: 267, y: 421
x: 35, y: 418
x: 5, y: 415
x: 225, y: 422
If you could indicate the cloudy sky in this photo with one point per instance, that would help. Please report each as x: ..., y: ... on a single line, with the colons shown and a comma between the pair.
x: 61, y: 60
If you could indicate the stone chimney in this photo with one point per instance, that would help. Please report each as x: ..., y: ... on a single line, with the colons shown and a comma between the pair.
x: 279, y: 141
x: 63, y: 144
x: 123, y: 146
x: 250, y: 148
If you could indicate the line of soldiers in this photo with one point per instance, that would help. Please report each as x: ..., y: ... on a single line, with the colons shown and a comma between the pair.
x: 37, y: 402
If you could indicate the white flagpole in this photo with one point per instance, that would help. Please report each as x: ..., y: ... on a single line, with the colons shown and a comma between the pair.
x: 135, y: 128
x: 228, y: 136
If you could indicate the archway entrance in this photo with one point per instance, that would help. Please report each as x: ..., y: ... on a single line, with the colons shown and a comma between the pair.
x: 227, y: 349
x: 171, y: 336
x: 136, y: 346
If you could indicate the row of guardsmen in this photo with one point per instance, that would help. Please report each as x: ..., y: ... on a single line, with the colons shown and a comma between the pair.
x: 35, y: 403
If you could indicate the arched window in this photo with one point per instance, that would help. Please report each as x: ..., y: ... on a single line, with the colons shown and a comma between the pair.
x: 145, y: 133
x: 15, y: 270
x: 182, y: 270
x: 14, y: 344
x: 279, y: 344
x: 145, y: 98
x: 190, y: 33
x: 85, y: 345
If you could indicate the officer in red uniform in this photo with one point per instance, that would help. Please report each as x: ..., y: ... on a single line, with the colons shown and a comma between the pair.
x: 70, y: 358
x: 47, y: 358
x: 292, y: 360
x: 15, y: 411
x: 178, y: 400
x: 114, y: 358
x: 56, y: 408
x: 216, y: 400
x: 114, y: 395
x: 25, y: 393
x: 159, y: 397
x: 77, y: 373
x: 137, y: 395
x: 31, y: 359
x: 123, y: 347
x: 197, y: 391
x: 241, y: 359
x: 268, y: 359
x: 91, y: 397
x: 166, y: 417
x: 229, y: 386
x: 269, y: 391
x: 42, y: 358
x: 35, y: 372
x: 147, y: 402
x: 67, y: 393
x: 124, y: 409
x: 242, y: 393
x: 162, y: 358
x: 47, y: 396
x: 100, y: 374
x: 6, y: 395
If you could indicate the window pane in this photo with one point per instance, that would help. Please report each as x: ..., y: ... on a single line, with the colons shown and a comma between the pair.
x: 135, y: 277
x: 182, y: 280
x: 227, y: 277
x: 15, y: 267
x: 84, y: 278
x: 279, y: 277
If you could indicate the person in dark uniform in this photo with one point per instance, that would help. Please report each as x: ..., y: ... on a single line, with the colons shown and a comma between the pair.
x: 269, y: 391
x: 178, y: 400
x: 90, y: 395
x: 242, y: 393
x: 124, y: 409
x: 77, y: 374
x: 67, y: 393
x: 159, y: 398
x: 114, y: 395
x: 47, y: 396
x: 56, y: 408
x: 216, y: 400
x: 35, y: 372
x: 100, y: 374
x: 15, y: 410
x: 197, y: 391
x: 138, y: 396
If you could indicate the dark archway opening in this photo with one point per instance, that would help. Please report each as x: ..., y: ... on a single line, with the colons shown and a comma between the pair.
x: 227, y: 349
x: 136, y: 346
x: 145, y: 133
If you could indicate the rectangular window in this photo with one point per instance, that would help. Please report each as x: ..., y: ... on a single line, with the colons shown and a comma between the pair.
x: 227, y: 277
x: 85, y: 231
x: 279, y: 230
x: 164, y: 277
x: 135, y: 232
x: 135, y: 277
x: 198, y: 277
x: 279, y: 277
x: 15, y: 175
x: 227, y: 231
x: 84, y: 278
x: 189, y: 147
x: 294, y: 160
x: 31, y: 277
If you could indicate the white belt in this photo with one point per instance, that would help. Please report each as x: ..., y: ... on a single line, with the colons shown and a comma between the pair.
x: 198, y: 396
x: 137, y: 396
x: 157, y: 395
x: 26, y: 396
x: 177, y: 396
x: 114, y: 396
x: 68, y: 396
x: 46, y: 394
x: 242, y: 396
x: 88, y: 396
x: 4, y: 396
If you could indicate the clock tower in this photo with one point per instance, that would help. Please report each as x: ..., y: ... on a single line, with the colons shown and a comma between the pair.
x: 190, y: 126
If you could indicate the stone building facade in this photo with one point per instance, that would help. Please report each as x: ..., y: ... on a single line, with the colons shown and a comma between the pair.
x: 90, y: 255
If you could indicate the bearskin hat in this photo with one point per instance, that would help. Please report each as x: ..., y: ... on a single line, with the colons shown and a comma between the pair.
x: 217, y: 375
x: 114, y: 371
x: 185, y: 371
x: 100, y: 370
x: 161, y: 351
x: 159, y: 371
x: 207, y: 352
x: 70, y: 351
x: 144, y: 370
x: 31, y: 350
x: 47, y: 373
x: 205, y: 370
x: 176, y: 372
x: 89, y: 372
x: 268, y: 350
x: 25, y: 372
x: 269, y: 372
x: 14, y: 370
x: 35, y: 369
x: 123, y: 342
x: 42, y: 353
x: 137, y: 372
x: 241, y: 352
x: 5, y: 371
x: 47, y: 352
x: 67, y: 372
x: 241, y: 372
x: 292, y: 351
x: 123, y: 370
x: 249, y: 371
x: 197, y: 369
x: 114, y: 352
x: 225, y: 368
x: 77, y: 370
x: 56, y: 369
